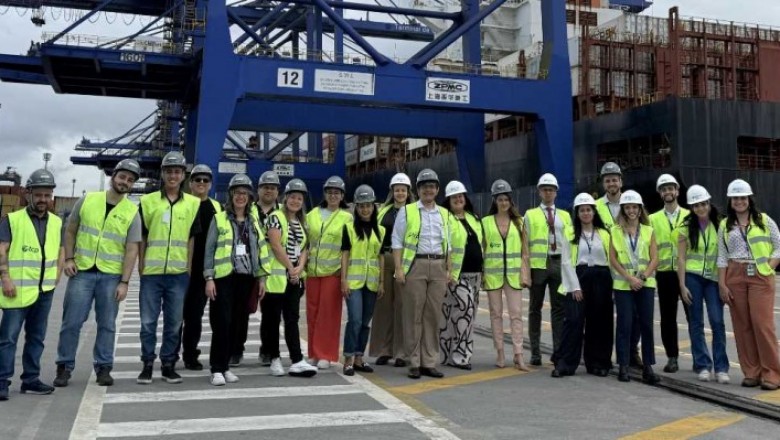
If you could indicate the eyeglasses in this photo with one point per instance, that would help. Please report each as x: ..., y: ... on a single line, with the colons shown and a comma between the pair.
x: 241, y: 193
x: 201, y: 180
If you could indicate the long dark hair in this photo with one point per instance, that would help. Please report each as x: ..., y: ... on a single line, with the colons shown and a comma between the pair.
x: 514, y: 214
x: 409, y: 196
x: 301, y: 214
x: 342, y: 204
x: 755, y: 214
x: 692, y: 222
x: 468, y: 208
x: 598, y: 223
x: 372, y: 221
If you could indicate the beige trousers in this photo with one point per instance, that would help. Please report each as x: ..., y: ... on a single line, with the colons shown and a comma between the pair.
x: 426, y: 285
x: 387, y: 329
x: 514, y: 301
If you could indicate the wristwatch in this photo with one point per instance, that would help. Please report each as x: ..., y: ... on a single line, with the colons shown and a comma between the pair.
x: 642, y: 277
x: 209, y: 278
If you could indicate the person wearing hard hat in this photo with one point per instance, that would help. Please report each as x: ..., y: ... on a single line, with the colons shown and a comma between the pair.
x: 101, y: 247
x: 456, y: 344
x: 235, y: 258
x: 506, y: 271
x: 201, y: 179
x: 633, y: 255
x: 284, y: 287
x: 421, y: 246
x: 697, y: 255
x: 169, y: 223
x: 748, y: 254
x: 387, y: 332
x: 325, y: 226
x: 267, y: 202
x: 31, y: 261
x: 361, y: 281
x: 587, y: 285
x: 546, y: 228
x: 665, y: 222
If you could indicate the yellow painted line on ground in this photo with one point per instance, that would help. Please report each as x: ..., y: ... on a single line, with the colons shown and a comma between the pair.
x: 455, y: 381
x: 772, y: 397
x: 688, y: 427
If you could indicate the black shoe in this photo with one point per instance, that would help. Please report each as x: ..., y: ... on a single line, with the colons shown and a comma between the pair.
x: 431, y: 372
x: 536, y: 361
x: 37, y: 387
x: 461, y: 366
x: 349, y: 370
x: 635, y: 361
x: 556, y: 373
x: 235, y: 360
x: 193, y: 364
x: 649, y: 377
x: 169, y: 373
x: 400, y: 363
x: 414, y: 373
x: 364, y: 368
x: 623, y: 374
x: 4, y: 389
x: 383, y: 360
x: 63, y: 376
x: 671, y: 365
x: 750, y: 383
x: 104, y: 378
x: 265, y: 360
x: 602, y: 372
x: 145, y: 378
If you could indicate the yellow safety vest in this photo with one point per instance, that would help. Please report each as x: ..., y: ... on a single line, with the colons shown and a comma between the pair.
x: 325, y: 254
x: 26, y: 259
x: 539, y: 234
x: 363, y: 267
x: 217, y: 206
x: 412, y: 235
x: 460, y: 237
x: 277, y: 280
x: 254, y: 211
x: 664, y: 235
x: 703, y: 260
x: 223, y: 257
x: 606, y: 215
x: 624, y: 258
x: 503, y: 261
x: 383, y: 211
x: 101, y: 239
x: 759, y: 243
x: 169, y: 231
x: 575, y: 252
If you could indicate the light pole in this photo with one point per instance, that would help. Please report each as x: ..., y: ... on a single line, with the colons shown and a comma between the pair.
x: 46, y: 159
x: 73, y: 188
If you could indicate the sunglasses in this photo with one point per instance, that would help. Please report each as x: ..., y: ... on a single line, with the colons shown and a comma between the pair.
x: 201, y: 180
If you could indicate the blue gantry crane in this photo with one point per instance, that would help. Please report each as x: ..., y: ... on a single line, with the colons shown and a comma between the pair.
x: 240, y: 67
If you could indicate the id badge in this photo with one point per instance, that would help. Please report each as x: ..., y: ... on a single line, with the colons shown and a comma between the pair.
x: 707, y: 273
x: 751, y: 270
x: 166, y: 217
x: 240, y: 250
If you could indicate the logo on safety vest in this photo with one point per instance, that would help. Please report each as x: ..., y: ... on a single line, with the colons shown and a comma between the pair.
x: 34, y: 250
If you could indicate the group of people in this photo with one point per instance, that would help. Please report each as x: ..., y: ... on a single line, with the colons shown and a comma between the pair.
x: 412, y: 266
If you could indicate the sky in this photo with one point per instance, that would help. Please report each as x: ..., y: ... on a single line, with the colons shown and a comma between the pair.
x: 34, y: 119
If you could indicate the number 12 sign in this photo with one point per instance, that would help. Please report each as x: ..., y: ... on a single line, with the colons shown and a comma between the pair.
x: 292, y: 78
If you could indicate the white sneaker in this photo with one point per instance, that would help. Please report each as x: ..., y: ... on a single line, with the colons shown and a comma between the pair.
x: 230, y: 377
x: 312, y: 361
x: 323, y: 364
x: 723, y: 378
x: 276, y: 367
x: 217, y: 379
x: 303, y: 369
x: 704, y: 375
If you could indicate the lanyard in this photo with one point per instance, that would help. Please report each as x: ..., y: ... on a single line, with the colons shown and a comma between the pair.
x: 744, y: 237
x: 674, y: 224
x: 633, y: 241
x: 589, y: 242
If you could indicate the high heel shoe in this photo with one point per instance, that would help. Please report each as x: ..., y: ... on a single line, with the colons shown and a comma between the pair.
x: 520, y: 363
x: 500, y: 359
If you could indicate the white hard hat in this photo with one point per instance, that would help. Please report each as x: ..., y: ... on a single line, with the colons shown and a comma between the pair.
x: 547, y: 179
x: 631, y: 197
x: 739, y: 188
x: 697, y: 194
x: 665, y: 179
x: 400, y: 179
x: 454, y: 188
x: 584, y: 199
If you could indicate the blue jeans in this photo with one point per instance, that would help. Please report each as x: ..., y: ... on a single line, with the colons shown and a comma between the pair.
x: 164, y: 293
x: 706, y: 291
x: 360, y: 310
x: 84, y: 289
x: 34, y: 319
x: 630, y: 305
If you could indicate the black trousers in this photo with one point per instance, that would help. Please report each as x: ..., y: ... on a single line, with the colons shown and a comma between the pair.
x: 274, y: 307
x: 194, y: 305
x: 240, y: 322
x: 541, y: 280
x: 232, y: 293
x: 668, y: 298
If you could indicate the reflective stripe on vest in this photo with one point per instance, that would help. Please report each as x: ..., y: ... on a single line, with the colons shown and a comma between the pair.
x: 759, y: 242
x: 664, y: 231
x: 223, y: 256
x: 539, y: 234
x: 26, y: 258
x: 325, y: 254
x: 277, y: 279
x: 619, y: 239
x: 459, y: 237
x: 699, y: 259
x: 501, y: 263
x: 363, y: 267
x: 169, y: 232
x: 101, y: 239
x: 412, y: 235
